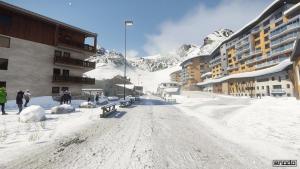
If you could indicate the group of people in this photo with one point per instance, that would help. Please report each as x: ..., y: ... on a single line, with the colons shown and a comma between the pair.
x: 65, y: 97
x: 19, y: 99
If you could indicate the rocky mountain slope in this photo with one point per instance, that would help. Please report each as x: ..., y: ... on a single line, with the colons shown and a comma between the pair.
x: 162, y: 61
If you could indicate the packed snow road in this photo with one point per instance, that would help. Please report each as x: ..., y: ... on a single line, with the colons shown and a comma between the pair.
x: 149, y: 135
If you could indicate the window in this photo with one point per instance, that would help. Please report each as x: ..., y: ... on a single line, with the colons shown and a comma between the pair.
x: 64, y: 88
x: 288, y: 86
x: 55, y: 90
x: 263, y: 87
x: 273, y: 78
x: 276, y: 86
x: 288, y: 95
x: 267, y: 46
x: 257, y: 87
x: 56, y: 71
x: 67, y: 54
x: 279, y: 78
x: 2, y: 84
x: 57, y: 53
x: 3, y: 64
x: 4, y: 42
x: 286, y: 76
x: 278, y: 23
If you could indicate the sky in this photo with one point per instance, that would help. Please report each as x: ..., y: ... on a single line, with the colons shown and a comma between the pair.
x: 160, y: 26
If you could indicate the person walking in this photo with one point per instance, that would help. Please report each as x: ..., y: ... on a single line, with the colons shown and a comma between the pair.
x: 27, y: 96
x: 97, y: 97
x: 3, y: 100
x: 69, y: 97
x: 19, y: 100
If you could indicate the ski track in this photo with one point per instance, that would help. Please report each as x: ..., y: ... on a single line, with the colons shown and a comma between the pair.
x: 149, y: 135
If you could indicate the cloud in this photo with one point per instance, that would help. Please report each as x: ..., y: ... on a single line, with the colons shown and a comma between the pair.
x: 201, y: 21
x: 132, y: 53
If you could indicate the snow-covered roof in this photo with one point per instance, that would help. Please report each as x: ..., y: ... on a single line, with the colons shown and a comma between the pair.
x: 293, y: 8
x: 171, y: 90
x: 91, y: 90
x: 281, y: 66
x: 206, y: 74
x: 127, y: 86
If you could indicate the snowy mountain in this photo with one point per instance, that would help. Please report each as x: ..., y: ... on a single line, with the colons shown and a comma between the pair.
x: 151, y: 70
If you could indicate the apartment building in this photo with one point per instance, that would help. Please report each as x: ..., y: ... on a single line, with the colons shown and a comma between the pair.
x: 176, y: 76
x: 42, y: 54
x: 192, y: 69
x: 263, y: 43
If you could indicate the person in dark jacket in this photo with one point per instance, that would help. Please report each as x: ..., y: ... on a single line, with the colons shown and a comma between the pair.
x: 19, y: 100
x: 3, y: 99
x: 97, y: 97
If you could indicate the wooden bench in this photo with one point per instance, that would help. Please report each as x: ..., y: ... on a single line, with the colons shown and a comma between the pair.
x: 107, y: 110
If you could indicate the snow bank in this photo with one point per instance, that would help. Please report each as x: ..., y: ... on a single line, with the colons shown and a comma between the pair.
x: 62, y: 109
x: 113, y: 98
x: 87, y: 105
x: 102, y: 101
x: 268, y: 127
x: 32, y: 114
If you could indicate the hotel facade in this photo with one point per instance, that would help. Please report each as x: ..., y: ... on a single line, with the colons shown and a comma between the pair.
x: 261, y: 59
x: 41, y: 54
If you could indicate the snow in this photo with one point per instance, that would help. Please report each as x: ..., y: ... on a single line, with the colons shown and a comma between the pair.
x: 128, y: 86
x: 113, y: 98
x: 149, y: 80
x: 281, y: 66
x: 171, y: 90
x: 62, y: 109
x: 206, y: 74
x: 32, y: 113
x: 87, y: 105
x: 268, y: 127
x: 293, y: 8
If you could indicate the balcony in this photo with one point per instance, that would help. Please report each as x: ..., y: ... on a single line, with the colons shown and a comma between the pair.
x: 291, y: 26
x: 278, y: 91
x: 284, y: 40
x: 74, y: 62
x: 72, y: 79
x: 73, y: 44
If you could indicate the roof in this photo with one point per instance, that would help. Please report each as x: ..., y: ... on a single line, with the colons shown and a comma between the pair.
x: 188, y: 59
x: 292, y: 9
x: 127, y: 86
x: 269, y: 10
x: 274, y: 69
x: 206, y: 74
x: 171, y: 90
x: 92, y: 90
x: 296, y: 51
x: 44, y: 18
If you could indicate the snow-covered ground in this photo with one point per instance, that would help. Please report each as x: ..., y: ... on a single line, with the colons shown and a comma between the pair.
x: 269, y: 127
x: 18, y: 138
x: 202, y: 131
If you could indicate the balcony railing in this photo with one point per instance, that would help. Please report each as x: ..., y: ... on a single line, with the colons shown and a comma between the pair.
x: 292, y: 25
x: 278, y: 91
x: 74, y: 62
x: 77, y: 45
x: 72, y: 79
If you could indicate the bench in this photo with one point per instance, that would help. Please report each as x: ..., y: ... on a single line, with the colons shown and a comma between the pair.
x: 125, y: 103
x: 107, y: 110
x: 172, y: 101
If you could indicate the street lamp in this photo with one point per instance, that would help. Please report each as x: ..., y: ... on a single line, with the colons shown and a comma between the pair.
x: 127, y: 23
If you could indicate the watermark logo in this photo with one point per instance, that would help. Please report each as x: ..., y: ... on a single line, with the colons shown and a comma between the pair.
x: 284, y: 163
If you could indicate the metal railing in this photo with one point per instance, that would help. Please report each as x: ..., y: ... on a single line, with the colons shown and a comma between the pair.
x: 74, y: 62
x: 73, y: 79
